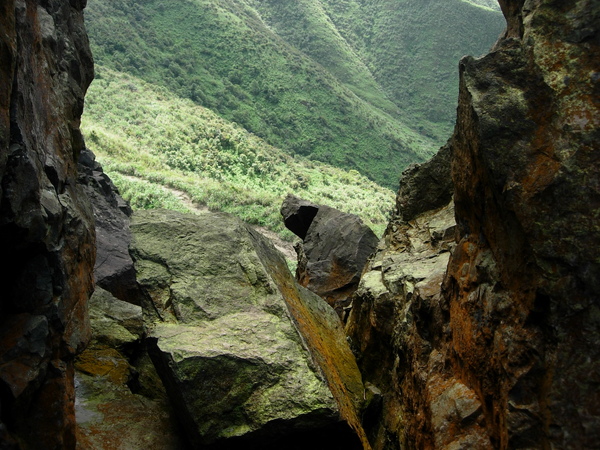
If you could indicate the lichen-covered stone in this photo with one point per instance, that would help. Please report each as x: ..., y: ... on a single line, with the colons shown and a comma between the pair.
x: 111, y: 416
x: 247, y: 356
x: 46, y: 223
x: 119, y: 399
x: 397, y: 317
x: 115, y: 323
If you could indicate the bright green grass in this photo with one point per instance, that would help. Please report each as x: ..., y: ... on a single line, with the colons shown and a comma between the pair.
x: 152, y: 142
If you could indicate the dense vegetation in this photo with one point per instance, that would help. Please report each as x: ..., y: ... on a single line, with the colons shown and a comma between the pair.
x: 409, y: 48
x: 318, y: 78
x: 153, y: 143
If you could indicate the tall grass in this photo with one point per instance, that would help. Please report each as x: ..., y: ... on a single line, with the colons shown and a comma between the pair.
x: 152, y: 142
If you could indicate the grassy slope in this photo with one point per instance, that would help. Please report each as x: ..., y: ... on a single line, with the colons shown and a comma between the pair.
x: 307, y: 26
x: 292, y: 71
x: 413, y: 47
x: 223, y: 56
x: 146, y: 138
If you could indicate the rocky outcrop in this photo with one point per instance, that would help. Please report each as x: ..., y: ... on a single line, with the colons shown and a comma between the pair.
x: 397, y: 313
x: 523, y: 284
x: 507, y: 355
x: 46, y: 223
x: 248, y: 357
x: 114, y: 268
x: 334, y: 250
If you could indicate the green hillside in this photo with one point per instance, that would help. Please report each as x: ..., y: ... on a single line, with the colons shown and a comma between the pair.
x: 412, y: 49
x: 232, y: 104
x: 223, y: 56
x: 366, y: 85
x: 155, y: 145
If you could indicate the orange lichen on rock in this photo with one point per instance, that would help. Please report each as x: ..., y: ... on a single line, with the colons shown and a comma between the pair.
x: 322, y: 331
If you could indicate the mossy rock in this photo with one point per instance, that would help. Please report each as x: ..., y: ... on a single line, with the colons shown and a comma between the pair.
x: 246, y: 354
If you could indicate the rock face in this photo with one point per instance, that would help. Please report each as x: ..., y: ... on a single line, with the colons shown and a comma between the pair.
x: 334, y: 251
x: 46, y: 223
x: 248, y: 357
x: 523, y: 284
x: 114, y: 268
x: 397, y: 313
x: 507, y: 356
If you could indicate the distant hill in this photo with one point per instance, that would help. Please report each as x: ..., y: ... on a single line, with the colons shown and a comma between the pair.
x: 367, y: 85
x: 410, y: 49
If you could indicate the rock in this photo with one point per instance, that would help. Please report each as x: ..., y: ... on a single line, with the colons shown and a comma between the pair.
x: 247, y: 356
x: 109, y: 415
x: 523, y: 284
x: 119, y: 399
x: 115, y: 323
x: 452, y: 404
x: 397, y: 317
x: 425, y: 187
x: 334, y: 251
x: 507, y: 355
x: 298, y: 214
x: 114, y: 268
x: 46, y: 223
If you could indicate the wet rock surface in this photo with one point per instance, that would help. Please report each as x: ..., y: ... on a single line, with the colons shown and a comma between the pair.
x: 119, y: 399
x: 46, y: 223
x: 334, y: 250
x: 248, y: 357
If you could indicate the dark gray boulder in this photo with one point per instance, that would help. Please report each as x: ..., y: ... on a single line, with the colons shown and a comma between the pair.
x: 425, y: 187
x: 113, y: 270
x: 298, y: 214
x: 334, y: 251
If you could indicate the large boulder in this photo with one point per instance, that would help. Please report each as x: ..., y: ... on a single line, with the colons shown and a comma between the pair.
x: 248, y: 357
x: 334, y: 250
x: 46, y: 222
